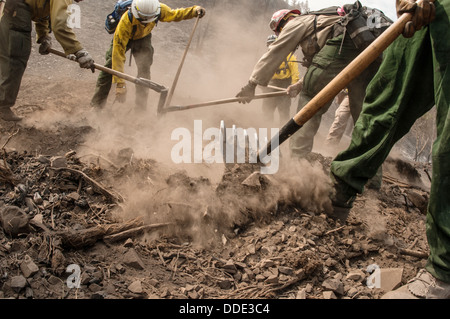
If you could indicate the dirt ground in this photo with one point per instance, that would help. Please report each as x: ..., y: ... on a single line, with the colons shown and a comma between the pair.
x: 96, y: 194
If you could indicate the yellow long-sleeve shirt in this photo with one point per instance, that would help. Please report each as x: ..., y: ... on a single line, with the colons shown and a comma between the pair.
x: 288, y: 71
x: 54, y: 12
x: 124, y: 32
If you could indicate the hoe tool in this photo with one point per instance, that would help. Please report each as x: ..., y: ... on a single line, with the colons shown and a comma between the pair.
x: 163, y: 91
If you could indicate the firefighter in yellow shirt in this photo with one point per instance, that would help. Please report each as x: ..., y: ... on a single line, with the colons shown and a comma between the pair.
x: 134, y: 33
x: 286, y: 74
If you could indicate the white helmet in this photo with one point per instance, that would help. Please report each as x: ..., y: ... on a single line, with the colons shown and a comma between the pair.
x: 146, y: 11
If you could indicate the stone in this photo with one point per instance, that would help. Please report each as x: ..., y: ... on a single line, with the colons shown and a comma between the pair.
x: 286, y: 270
x: 136, y: 287
x: 37, y: 199
x: 128, y: 243
x: 355, y: 275
x: 334, y: 285
x: 18, y: 283
x: 352, y: 292
x: 272, y: 279
x: 391, y: 278
x: 266, y: 263
x: 74, y: 195
x: 329, y: 295
x: 28, y: 267
x: 225, y: 284
x: 301, y: 294
x: 230, y: 267
x: 253, y: 180
x: 95, y: 287
x: 58, y: 162
x: 132, y: 259
x: 14, y: 221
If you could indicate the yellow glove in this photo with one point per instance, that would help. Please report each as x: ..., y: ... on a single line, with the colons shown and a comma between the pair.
x: 423, y: 13
x: 121, y: 93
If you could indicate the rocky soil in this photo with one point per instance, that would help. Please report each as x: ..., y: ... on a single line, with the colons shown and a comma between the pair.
x: 92, y: 209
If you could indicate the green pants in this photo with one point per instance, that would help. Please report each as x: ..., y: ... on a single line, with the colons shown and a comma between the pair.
x: 142, y: 51
x: 326, y: 65
x: 15, y: 49
x: 413, y: 77
x: 281, y: 103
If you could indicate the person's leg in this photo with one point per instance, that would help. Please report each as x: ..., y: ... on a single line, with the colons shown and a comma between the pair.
x: 104, y: 83
x: 15, y: 50
x: 341, y: 118
x: 438, y: 217
x: 394, y: 100
x: 326, y: 65
x: 143, y: 53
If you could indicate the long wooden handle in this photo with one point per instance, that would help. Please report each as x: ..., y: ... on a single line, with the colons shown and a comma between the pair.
x: 348, y: 74
x: 224, y: 101
x: 177, y: 76
x: 139, y: 81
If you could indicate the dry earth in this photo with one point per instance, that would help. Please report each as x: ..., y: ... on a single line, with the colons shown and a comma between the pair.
x: 98, y: 190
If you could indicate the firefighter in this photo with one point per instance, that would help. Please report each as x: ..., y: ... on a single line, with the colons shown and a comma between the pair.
x: 134, y: 32
x: 286, y: 74
x: 15, y: 43
x: 413, y: 77
x: 327, y: 48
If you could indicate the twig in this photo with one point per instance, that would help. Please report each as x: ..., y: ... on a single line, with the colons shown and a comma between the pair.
x: 413, y: 253
x: 133, y: 232
x: 9, y: 138
x: 97, y: 185
x: 334, y: 230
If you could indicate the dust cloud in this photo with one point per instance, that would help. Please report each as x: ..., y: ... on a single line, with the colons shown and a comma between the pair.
x: 224, y: 50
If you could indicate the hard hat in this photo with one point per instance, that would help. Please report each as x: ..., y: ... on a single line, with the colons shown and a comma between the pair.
x: 146, y: 11
x: 271, y: 39
x: 278, y: 16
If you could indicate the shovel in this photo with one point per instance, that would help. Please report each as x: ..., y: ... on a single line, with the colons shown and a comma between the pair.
x: 355, y: 68
x: 177, y: 76
x: 139, y: 81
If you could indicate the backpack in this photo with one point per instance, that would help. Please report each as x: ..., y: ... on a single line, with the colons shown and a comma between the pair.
x: 112, y: 19
x: 362, y: 24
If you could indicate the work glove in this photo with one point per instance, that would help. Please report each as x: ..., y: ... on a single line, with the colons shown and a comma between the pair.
x: 46, y: 43
x: 121, y: 93
x: 294, y: 89
x: 85, y: 60
x: 423, y: 13
x: 247, y: 93
x: 200, y: 12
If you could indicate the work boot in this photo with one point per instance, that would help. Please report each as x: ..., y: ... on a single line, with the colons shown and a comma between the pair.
x: 7, y: 115
x: 342, y: 201
x: 423, y: 286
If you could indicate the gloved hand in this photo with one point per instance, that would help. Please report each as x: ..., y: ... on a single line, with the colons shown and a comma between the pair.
x: 201, y: 12
x: 423, y: 13
x: 121, y: 92
x: 247, y: 92
x: 294, y: 89
x: 46, y: 43
x: 85, y: 60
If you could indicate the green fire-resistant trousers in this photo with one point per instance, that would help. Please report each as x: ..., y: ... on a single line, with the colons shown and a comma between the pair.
x: 15, y: 49
x: 142, y: 51
x: 413, y: 77
x: 326, y: 65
